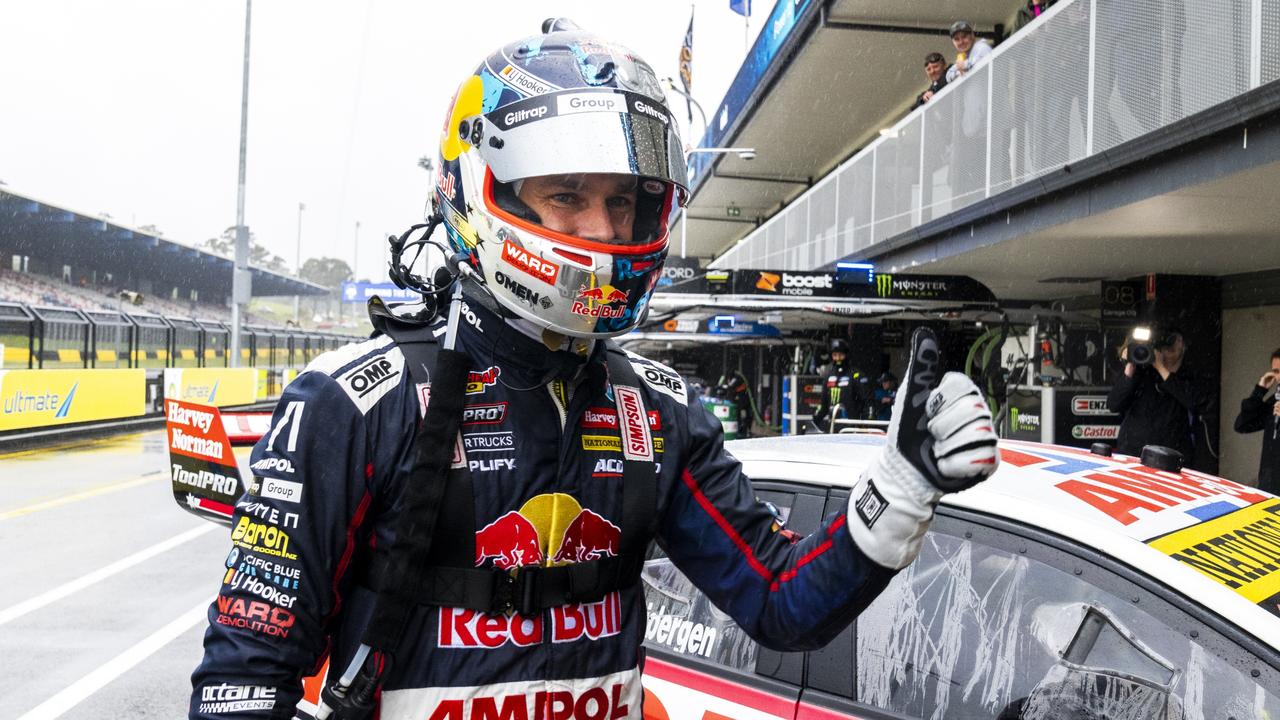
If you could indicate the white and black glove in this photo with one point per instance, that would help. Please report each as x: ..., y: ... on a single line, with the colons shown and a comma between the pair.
x: 941, y: 440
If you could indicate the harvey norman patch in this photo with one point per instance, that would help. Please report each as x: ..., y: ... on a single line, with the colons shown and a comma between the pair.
x: 1240, y: 550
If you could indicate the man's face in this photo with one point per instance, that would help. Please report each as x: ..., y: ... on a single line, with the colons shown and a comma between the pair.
x: 1275, y: 365
x: 963, y: 41
x: 837, y: 357
x: 934, y: 70
x: 593, y: 206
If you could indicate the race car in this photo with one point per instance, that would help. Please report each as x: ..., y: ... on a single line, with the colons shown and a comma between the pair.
x: 1069, y: 585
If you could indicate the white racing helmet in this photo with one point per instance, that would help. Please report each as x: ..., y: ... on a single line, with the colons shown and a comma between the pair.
x: 546, y: 129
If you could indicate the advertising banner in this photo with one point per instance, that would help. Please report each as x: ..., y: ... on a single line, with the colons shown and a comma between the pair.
x: 43, y: 398
x: 219, y: 387
x: 202, y: 466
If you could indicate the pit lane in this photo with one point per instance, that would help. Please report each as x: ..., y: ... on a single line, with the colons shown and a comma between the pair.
x: 104, y: 582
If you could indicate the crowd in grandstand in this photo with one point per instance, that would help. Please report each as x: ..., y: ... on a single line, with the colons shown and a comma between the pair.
x: 32, y: 289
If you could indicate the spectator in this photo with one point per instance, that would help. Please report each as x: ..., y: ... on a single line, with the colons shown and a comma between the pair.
x: 1160, y: 403
x: 970, y: 51
x: 1032, y: 10
x: 885, y: 395
x: 935, y: 69
x: 1260, y: 411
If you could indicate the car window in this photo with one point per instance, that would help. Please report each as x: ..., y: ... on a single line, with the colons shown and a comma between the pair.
x: 988, y: 624
x: 683, y: 621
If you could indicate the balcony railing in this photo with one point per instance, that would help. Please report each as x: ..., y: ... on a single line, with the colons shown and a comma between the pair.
x: 1085, y: 77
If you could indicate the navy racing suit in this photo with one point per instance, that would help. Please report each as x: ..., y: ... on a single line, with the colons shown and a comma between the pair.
x: 540, y: 439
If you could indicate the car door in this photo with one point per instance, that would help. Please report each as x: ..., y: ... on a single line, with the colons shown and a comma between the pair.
x: 699, y: 664
x: 997, y: 620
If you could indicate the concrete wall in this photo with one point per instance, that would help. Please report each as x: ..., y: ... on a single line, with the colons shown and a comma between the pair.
x: 1249, y: 335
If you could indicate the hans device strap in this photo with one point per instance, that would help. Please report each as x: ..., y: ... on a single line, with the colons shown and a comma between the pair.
x: 446, y: 578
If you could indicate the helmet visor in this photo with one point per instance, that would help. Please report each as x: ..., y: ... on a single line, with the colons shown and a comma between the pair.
x: 583, y: 131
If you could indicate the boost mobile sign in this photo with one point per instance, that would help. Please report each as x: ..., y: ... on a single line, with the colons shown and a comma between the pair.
x: 884, y: 286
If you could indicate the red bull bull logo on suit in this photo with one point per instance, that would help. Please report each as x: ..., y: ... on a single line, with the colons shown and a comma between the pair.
x: 548, y: 529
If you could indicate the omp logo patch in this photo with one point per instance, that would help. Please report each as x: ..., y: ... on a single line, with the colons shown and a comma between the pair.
x: 373, y: 378
x: 871, y: 505
x: 660, y: 378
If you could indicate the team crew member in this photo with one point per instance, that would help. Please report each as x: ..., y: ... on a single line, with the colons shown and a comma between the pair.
x: 1259, y: 411
x: 844, y: 390
x: 559, y: 172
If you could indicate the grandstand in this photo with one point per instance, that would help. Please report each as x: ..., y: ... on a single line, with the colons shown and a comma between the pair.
x: 78, y: 291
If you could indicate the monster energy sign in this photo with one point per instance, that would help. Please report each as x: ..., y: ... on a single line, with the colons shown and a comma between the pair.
x: 915, y: 287
x: 817, y: 284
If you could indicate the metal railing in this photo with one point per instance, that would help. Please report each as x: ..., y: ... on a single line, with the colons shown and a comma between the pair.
x: 1085, y: 77
x: 48, y: 337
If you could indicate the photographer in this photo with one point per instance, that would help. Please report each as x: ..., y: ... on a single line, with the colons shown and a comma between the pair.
x: 1260, y: 412
x: 1159, y: 400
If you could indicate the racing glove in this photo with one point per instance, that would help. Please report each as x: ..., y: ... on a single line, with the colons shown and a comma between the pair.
x: 941, y: 440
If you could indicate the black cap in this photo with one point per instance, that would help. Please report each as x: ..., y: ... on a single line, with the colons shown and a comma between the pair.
x: 960, y: 26
x: 839, y: 345
x: 933, y: 57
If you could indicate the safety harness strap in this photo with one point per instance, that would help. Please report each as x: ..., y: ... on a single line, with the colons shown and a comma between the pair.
x: 447, y: 580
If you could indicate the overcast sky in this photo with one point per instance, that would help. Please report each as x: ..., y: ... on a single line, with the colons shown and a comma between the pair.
x: 132, y: 107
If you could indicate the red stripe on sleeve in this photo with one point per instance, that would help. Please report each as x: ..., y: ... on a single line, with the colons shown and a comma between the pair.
x: 726, y: 528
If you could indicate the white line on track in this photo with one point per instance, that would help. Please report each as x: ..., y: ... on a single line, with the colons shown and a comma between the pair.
x: 16, y: 611
x: 75, y: 693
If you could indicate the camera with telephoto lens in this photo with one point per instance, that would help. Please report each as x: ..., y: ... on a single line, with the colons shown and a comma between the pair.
x: 1145, y: 342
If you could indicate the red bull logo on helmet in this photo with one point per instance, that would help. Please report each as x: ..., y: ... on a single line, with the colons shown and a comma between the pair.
x: 599, y: 302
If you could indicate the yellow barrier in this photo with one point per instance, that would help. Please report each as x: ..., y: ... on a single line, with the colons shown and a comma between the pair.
x: 16, y: 355
x: 41, y: 398
x: 69, y: 356
x: 211, y: 386
x: 106, y: 356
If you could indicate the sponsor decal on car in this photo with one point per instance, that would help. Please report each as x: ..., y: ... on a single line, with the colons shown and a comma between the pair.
x: 205, y: 480
x: 678, y: 633
x: 1238, y: 550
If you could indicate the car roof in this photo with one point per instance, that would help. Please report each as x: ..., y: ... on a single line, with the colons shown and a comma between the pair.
x: 1165, y: 525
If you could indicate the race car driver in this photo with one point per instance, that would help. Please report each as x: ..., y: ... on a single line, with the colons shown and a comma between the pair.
x: 560, y: 170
